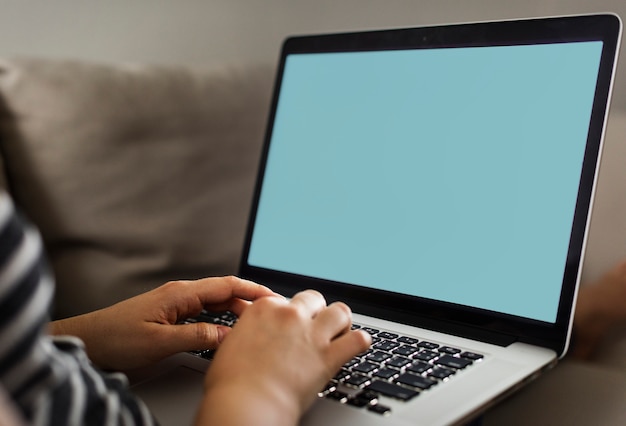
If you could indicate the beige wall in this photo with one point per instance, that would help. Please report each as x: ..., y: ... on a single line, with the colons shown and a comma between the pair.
x: 206, y: 31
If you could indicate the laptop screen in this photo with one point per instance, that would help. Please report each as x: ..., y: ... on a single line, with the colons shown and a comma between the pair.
x: 450, y: 174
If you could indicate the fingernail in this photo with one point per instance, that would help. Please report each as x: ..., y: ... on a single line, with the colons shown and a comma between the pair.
x: 222, y: 331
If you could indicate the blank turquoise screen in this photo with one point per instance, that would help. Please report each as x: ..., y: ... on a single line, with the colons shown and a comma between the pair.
x: 449, y: 174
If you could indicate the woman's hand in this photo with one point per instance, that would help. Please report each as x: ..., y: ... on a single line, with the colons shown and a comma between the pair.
x: 277, y: 357
x: 143, y: 330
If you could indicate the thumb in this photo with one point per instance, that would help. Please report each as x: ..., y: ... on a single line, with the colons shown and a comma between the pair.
x: 196, y: 336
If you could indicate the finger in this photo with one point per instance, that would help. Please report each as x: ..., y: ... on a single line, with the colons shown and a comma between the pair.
x: 194, y: 295
x: 310, y: 302
x: 194, y: 336
x: 334, y: 320
x: 347, y: 346
x: 230, y: 287
x: 237, y: 306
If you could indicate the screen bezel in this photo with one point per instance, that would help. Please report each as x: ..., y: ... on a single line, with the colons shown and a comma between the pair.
x: 447, y: 317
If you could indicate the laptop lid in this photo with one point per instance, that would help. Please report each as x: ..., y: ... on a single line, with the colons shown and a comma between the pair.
x: 441, y: 176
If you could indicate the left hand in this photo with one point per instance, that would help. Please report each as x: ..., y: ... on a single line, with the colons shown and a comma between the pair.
x: 143, y: 330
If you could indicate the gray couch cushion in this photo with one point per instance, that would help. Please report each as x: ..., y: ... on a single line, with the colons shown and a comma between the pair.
x: 134, y: 175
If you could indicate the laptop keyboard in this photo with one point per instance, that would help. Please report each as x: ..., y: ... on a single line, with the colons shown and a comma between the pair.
x: 395, y: 366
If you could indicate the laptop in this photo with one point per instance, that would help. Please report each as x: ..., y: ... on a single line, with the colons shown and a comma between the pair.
x: 439, y: 180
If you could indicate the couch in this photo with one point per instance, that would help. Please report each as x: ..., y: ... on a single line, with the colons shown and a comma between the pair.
x: 136, y: 175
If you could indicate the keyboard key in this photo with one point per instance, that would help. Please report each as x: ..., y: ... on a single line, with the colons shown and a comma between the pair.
x: 392, y: 390
x: 357, y: 380
x: 370, y: 396
x: 370, y: 330
x: 419, y: 367
x: 408, y: 340
x: 405, y: 350
x: 427, y: 345
x: 363, y: 399
x: 383, y: 410
x: 378, y: 356
x: 425, y: 355
x: 386, y: 373
x: 449, y: 350
x: 454, y: 362
x: 387, y: 335
x: 398, y: 362
x: 365, y: 367
x: 441, y: 372
x: 357, y: 402
x: 471, y: 355
x: 415, y: 381
x: 386, y: 345
x: 338, y: 396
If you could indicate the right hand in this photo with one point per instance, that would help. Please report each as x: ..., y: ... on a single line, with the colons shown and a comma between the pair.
x: 277, y: 357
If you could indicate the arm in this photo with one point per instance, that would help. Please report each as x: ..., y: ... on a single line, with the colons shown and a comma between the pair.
x: 278, y: 356
x: 143, y: 330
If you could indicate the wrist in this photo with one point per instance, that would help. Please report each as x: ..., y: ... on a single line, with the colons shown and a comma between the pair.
x: 65, y: 327
x: 85, y: 328
x: 248, y: 402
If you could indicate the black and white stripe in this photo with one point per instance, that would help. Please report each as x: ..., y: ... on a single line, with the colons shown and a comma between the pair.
x: 50, y: 379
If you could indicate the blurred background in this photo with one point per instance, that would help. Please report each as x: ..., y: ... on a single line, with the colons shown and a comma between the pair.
x: 206, y: 31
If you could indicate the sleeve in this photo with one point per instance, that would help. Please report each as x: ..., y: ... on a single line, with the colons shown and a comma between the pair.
x: 49, y: 379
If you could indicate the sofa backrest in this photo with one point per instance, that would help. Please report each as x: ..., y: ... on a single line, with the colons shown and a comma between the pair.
x: 134, y: 175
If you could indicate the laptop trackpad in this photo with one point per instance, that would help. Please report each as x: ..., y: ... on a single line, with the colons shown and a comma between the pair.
x: 173, y: 397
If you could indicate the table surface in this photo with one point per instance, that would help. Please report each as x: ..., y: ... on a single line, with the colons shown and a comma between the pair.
x: 573, y: 393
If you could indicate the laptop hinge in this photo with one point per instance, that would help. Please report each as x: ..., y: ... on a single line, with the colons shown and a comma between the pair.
x: 439, y: 324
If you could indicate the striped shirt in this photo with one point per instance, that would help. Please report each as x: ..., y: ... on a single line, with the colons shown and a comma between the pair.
x: 50, y: 379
